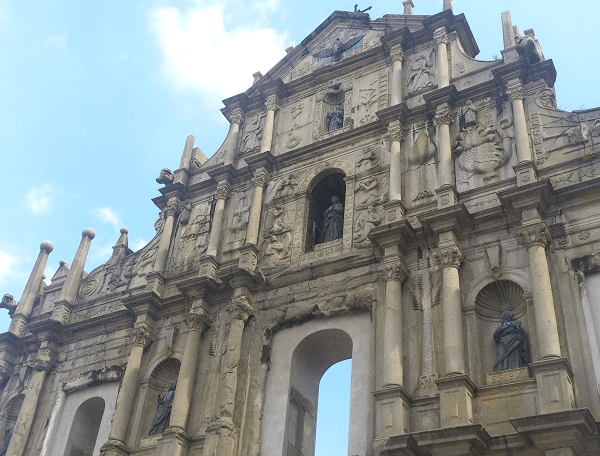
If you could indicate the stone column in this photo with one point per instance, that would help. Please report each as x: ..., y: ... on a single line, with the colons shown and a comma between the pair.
x: 222, y: 436
x: 44, y: 363
x: 141, y: 338
x: 396, y: 87
x: 443, y: 119
x: 25, y: 305
x: 396, y: 274
x: 259, y: 181
x: 258, y: 397
x: 68, y: 293
x: 223, y: 193
x: 443, y: 72
x: 396, y: 136
x: 271, y: 105
x: 535, y: 237
x: 450, y: 258
x: 196, y: 323
x: 165, y: 238
x: 236, y: 118
x: 514, y: 90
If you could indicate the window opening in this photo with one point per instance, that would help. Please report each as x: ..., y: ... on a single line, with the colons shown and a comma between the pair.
x: 85, y: 427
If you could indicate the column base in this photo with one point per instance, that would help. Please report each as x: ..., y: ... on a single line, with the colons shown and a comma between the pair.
x: 114, y: 448
x: 173, y: 442
x: 221, y: 438
x: 526, y: 173
x: 456, y: 400
x: 248, y: 258
x: 394, y: 211
x: 446, y: 196
x: 392, y: 407
x: 554, y: 378
x: 209, y: 267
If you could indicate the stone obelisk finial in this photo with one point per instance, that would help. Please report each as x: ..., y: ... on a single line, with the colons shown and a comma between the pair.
x: 408, y: 7
x: 447, y: 5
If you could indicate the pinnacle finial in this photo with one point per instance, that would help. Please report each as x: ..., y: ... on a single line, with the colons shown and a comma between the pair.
x: 408, y: 7
x: 447, y: 5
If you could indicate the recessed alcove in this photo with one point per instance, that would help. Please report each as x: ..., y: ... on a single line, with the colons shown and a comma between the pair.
x: 327, y: 186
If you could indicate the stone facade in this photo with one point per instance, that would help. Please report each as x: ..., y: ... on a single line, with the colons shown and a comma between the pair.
x: 465, y: 193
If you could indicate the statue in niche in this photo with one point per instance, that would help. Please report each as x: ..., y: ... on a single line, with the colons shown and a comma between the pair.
x: 476, y: 146
x: 163, y: 411
x: 422, y: 75
x: 512, y: 344
x: 422, y: 152
x: 335, y: 119
x: 333, y: 227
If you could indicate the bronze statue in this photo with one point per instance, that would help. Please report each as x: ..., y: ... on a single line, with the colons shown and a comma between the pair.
x: 335, y: 119
x: 512, y: 344
x: 333, y: 228
x: 163, y: 411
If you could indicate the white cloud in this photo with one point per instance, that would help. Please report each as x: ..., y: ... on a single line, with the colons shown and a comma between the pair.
x: 8, y: 263
x: 39, y: 199
x: 107, y: 215
x: 55, y: 42
x: 200, y: 53
x: 138, y: 245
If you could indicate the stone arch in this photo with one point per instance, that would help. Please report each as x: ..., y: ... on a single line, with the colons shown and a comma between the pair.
x: 85, y: 427
x: 8, y: 418
x: 300, y: 356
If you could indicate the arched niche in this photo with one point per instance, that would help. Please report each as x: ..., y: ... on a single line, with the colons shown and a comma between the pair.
x: 157, y: 383
x: 8, y: 418
x: 300, y: 357
x: 323, y: 188
x: 491, y: 300
x: 84, y: 429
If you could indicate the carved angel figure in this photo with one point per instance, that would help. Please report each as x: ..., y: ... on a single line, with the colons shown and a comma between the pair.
x: 365, y: 223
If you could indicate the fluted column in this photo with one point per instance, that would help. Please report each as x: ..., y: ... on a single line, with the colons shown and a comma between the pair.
x: 140, y: 338
x: 267, y: 139
x: 396, y: 87
x: 443, y: 71
x: 44, y: 363
x: 396, y: 273
x: 516, y: 94
x: 236, y: 118
x: 25, y: 305
x: 171, y: 211
x: 443, y: 119
x: 450, y: 259
x: 396, y: 136
x: 197, y: 323
x: 535, y: 237
x: 258, y: 181
x: 223, y: 193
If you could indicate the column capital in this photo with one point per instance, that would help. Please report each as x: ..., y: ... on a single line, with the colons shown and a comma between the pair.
x: 449, y: 257
x: 197, y: 322
x: 141, y: 337
x: 441, y: 36
x: 45, y: 360
x: 260, y: 179
x: 223, y: 191
x: 536, y: 234
x: 240, y: 308
x: 173, y: 207
x: 443, y: 115
x: 397, y: 53
x: 514, y: 90
x: 236, y: 116
x: 396, y: 270
x: 395, y: 133
x: 272, y: 103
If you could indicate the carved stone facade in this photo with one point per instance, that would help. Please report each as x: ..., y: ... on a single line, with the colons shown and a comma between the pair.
x: 466, y: 194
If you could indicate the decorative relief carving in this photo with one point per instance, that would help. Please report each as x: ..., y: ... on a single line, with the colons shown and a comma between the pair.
x: 546, y: 98
x: 449, y: 257
x: 253, y: 133
x: 141, y: 337
x: 443, y: 115
x: 397, y: 271
x: 589, y: 172
x: 507, y: 376
x: 372, y: 191
x: 421, y: 73
x: 531, y: 235
x: 286, y: 186
x: 304, y: 67
x: 367, y: 102
x: 191, y: 240
x: 515, y: 91
x: 272, y: 103
x: 241, y: 216
x: 223, y: 191
x: 365, y: 222
x: 275, y: 250
x: 396, y: 53
x: 441, y: 36
x: 240, y: 308
x: 333, y: 50
x: 236, y: 116
x: 477, y: 147
x: 197, y: 322
x: 422, y: 152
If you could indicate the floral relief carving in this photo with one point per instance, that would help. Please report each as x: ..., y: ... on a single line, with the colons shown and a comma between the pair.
x: 449, y: 257
x: 531, y: 235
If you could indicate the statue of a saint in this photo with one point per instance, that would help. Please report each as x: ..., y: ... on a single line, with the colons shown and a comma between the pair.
x: 335, y: 119
x: 333, y: 227
x: 163, y: 411
x: 512, y: 344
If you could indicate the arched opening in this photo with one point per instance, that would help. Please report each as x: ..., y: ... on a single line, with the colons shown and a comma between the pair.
x: 333, y: 419
x: 7, y: 421
x: 158, y: 386
x: 85, y: 427
x: 321, y: 227
x: 311, y: 359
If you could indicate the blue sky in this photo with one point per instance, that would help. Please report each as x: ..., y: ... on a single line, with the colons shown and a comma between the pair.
x: 97, y: 97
